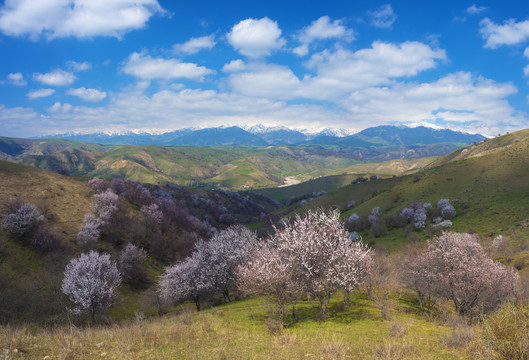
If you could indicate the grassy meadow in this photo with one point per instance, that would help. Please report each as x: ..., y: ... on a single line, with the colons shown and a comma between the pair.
x: 243, y: 329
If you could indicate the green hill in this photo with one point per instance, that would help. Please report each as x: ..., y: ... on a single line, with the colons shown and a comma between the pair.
x: 488, y: 183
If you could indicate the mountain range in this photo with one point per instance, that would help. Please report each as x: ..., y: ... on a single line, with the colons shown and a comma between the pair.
x: 261, y: 136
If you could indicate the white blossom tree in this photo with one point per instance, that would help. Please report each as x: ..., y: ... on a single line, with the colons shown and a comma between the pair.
x: 89, y: 232
x: 131, y: 263
x: 23, y: 220
x: 187, y: 280
x: 91, y: 282
x: 105, y: 205
x: 225, y: 251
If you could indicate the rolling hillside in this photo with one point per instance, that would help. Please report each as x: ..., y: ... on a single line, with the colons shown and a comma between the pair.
x: 488, y: 183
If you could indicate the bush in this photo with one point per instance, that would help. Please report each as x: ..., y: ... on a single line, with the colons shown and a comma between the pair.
x: 22, y: 221
x: 45, y: 239
x: 131, y: 263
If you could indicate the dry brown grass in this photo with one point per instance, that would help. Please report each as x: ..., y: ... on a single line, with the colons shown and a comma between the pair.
x: 63, y: 200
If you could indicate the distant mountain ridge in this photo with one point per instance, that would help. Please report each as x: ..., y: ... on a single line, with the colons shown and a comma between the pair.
x: 386, y: 135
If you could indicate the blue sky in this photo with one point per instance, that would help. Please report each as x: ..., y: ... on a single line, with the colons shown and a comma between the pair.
x: 117, y: 65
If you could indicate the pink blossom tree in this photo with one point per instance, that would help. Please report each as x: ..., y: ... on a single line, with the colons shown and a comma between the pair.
x: 153, y: 215
x: 319, y: 249
x: 270, y: 273
x: 89, y: 232
x: 455, y: 267
x: 91, y: 282
x: 23, y: 220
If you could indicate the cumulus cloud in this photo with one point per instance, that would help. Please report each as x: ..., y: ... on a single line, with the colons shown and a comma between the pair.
x: 383, y: 17
x: 508, y: 33
x: 15, y: 79
x: 145, y: 67
x: 322, y: 28
x: 58, y: 107
x: 78, y: 18
x: 234, y: 66
x: 87, y: 94
x: 55, y: 78
x: 40, y: 93
x: 256, y: 37
x: 78, y: 66
x: 194, y: 45
x: 337, y: 73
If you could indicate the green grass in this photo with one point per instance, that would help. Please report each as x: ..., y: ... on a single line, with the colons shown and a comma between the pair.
x: 238, y: 330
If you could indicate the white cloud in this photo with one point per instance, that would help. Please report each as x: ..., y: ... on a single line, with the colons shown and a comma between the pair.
x: 55, y: 78
x: 78, y: 66
x: 15, y: 79
x: 145, y: 67
x: 337, y: 73
x: 301, y: 50
x: 194, y: 45
x: 87, y: 94
x: 234, y: 66
x: 383, y: 17
x: 58, y: 107
x: 510, y: 33
x: 323, y: 28
x: 475, y: 10
x: 78, y: 18
x: 459, y: 101
x: 40, y: 93
x: 256, y: 37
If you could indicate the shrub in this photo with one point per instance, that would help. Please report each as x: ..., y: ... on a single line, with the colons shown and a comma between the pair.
x: 45, y: 239
x: 507, y: 332
x: 131, y: 263
x: 22, y: 221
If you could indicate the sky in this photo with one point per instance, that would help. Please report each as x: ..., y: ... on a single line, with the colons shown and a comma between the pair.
x: 158, y: 65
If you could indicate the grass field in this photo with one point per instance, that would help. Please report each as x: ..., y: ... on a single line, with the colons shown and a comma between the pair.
x: 239, y: 330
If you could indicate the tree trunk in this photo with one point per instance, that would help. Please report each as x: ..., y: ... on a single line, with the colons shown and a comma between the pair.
x: 324, y: 300
x: 347, y: 298
x: 197, y: 302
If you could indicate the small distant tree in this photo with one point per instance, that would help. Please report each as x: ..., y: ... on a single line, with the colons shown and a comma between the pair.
x: 98, y: 185
x: 407, y: 213
x: 131, y: 263
x: 419, y: 218
x: 105, y: 205
x: 353, y: 218
x: 152, y: 215
x: 89, y: 232
x: 455, y: 267
x: 22, y: 221
x: 447, y: 210
x: 91, y: 281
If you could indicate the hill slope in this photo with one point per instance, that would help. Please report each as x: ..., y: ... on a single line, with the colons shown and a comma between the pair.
x: 487, y: 182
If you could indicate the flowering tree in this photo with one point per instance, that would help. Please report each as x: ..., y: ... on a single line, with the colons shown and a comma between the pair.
x: 455, y: 267
x: 91, y: 281
x: 131, y: 262
x: 225, y: 251
x: 419, y: 218
x: 447, y: 210
x: 187, y: 280
x: 407, y: 213
x: 98, y: 185
x: 271, y: 273
x: 153, y: 215
x: 89, y: 232
x: 319, y: 249
x: 22, y: 221
x: 105, y: 205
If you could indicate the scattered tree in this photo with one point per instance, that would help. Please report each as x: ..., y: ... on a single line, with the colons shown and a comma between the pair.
x: 455, y: 267
x: 90, y: 281
x: 105, y: 205
x: 22, y: 221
